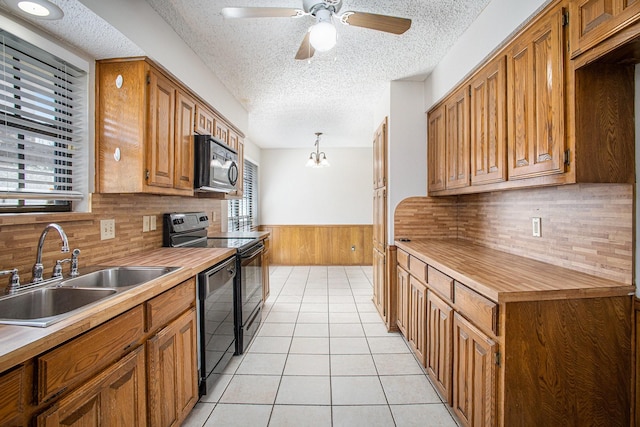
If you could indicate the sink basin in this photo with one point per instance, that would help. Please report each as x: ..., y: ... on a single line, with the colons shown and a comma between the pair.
x: 42, y: 307
x: 117, y: 277
x: 46, y: 305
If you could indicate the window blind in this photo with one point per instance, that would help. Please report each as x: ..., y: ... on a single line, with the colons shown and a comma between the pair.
x: 43, y: 147
x: 243, y: 213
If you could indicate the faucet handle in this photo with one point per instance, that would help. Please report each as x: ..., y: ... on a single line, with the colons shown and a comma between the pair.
x: 15, y: 278
x: 74, y: 262
x: 57, y: 269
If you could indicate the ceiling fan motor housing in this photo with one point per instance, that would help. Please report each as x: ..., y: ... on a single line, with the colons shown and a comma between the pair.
x: 312, y: 6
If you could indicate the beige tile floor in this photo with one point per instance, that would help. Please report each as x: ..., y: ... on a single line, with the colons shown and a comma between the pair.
x: 322, y: 357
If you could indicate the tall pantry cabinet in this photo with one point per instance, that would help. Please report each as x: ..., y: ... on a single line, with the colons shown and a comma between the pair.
x: 380, y: 279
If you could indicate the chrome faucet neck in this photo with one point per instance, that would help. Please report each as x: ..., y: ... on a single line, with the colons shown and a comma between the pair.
x: 38, y: 268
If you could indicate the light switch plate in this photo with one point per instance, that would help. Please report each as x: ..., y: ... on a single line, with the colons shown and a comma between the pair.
x: 536, y: 227
x: 152, y: 222
x: 107, y: 229
x: 145, y: 223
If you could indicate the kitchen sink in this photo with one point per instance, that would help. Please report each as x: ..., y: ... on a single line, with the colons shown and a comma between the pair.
x: 52, y: 303
x: 117, y: 277
x: 42, y: 307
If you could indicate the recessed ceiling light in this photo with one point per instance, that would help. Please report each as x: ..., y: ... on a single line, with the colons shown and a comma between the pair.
x: 41, y: 9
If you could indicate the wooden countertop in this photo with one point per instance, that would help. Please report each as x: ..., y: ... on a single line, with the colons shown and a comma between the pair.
x: 504, y: 277
x: 20, y: 343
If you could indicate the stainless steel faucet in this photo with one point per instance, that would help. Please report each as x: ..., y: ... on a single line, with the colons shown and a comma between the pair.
x: 37, y: 267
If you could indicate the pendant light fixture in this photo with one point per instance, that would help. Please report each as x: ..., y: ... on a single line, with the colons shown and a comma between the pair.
x: 317, y: 159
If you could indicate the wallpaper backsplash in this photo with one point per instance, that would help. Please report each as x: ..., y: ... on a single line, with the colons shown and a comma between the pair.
x: 585, y: 227
x: 20, y: 241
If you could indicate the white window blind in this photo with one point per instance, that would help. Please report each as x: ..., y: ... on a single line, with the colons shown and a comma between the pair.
x: 243, y: 213
x: 43, y: 146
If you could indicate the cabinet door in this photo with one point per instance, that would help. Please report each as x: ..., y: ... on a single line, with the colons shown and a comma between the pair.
x: 418, y: 318
x: 265, y: 270
x: 240, y: 184
x: 183, y: 168
x: 535, y: 99
x: 439, y: 343
x: 205, y: 123
x: 12, y: 397
x: 379, y: 294
x: 233, y: 140
x: 161, y: 134
x: 474, y: 375
x: 380, y: 156
x: 172, y: 364
x: 436, y: 149
x: 115, y: 397
x: 488, y: 123
x: 457, y: 139
x: 222, y: 131
x: 380, y: 219
x: 403, y: 300
x: 593, y: 21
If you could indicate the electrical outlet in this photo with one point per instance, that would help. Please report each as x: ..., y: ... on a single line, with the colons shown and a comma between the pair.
x: 152, y: 222
x: 214, y: 216
x: 145, y: 223
x: 353, y: 248
x: 107, y: 229
x: 536, y: 227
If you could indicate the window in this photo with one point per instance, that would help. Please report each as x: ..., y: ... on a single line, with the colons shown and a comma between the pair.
x: 43, y: 144
x: 243, y: 213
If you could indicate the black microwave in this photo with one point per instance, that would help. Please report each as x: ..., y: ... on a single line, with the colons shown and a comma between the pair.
x: 216, y: 165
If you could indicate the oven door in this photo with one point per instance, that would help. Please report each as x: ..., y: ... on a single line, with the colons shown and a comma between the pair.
x: 251, y: 280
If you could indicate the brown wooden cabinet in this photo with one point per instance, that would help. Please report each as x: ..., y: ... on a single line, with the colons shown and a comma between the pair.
x: 436, y: 156
x: 13, y: 387
x: 439, y: 345
x: 488, y: 123
x: 266, y: 289
x: 380, y: 156
x: 474, y: 375
x: 221, y: 131
x: 594, y: 21
x: 417, y: 330
x: 172, y: 367
x: 115, y: 397
x: 144, y: 120
x: 457, y: 139
x: 535, y: 99
x: 380, y: 219
x: 402, y: 299
x: 205, y: 121
x: 379, y: 290
x: 239, y: 143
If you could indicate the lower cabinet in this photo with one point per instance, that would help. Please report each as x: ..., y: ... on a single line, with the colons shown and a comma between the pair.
x: 439, y: 343
x: 12, y: 396
x: 379, y: 294
x: 116, y: 397
x: 417, y: 333
x: 173, y: 376
x: 265, y: 270
x: 474, y: 375
x: 402, y: 299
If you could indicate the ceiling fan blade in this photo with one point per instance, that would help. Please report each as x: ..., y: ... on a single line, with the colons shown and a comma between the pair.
x: 388, y: 24
x: 261, y: 12
x: 305, y: 51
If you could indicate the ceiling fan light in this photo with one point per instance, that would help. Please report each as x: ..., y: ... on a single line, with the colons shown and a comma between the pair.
x: 323, y: 36
x: 41, y: 9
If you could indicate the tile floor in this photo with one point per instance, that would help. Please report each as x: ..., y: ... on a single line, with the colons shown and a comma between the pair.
x: 322, y: 357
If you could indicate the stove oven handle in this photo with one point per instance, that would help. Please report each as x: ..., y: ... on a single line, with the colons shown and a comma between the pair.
x: 254, y: 253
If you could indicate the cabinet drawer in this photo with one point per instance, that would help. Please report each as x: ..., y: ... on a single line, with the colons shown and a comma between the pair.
x: 12, y: 393
x: 418, y: 269
x: 440, y: 283
x: 403, y: 259
x: 83, y: 357
x: 481, y: 311
x: 168, y: 305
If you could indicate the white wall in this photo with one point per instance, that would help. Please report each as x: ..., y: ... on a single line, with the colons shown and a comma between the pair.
x: 292, y: 194
x: 144, y: 27
x: 496, y: 22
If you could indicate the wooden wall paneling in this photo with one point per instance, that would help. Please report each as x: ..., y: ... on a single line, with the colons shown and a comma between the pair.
x: 321, y: 244
x: 544, y: 369
x: 20, y: 239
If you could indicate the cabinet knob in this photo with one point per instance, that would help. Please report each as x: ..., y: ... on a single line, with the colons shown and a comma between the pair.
x: 119, y: 81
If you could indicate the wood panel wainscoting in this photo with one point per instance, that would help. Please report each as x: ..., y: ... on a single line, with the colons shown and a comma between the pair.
x: 636, y: 355
x: 20, y: 233
x: 321, y: 244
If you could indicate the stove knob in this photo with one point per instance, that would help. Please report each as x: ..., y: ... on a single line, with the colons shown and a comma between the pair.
x: 204, y: 218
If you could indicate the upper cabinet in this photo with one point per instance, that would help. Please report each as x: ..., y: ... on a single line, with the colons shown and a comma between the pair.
x: 530, y: 116
x: 380, y: 156
x: 535, y: 68
x: 593, y: 21
x: 145, y: 122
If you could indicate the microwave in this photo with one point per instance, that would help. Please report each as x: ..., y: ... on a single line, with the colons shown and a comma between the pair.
x: 216, y: 165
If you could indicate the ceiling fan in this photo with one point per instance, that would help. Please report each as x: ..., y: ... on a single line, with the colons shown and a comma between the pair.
x: 322, y: 35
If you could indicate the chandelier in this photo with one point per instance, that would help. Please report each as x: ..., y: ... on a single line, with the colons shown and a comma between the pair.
x: 317, y: 159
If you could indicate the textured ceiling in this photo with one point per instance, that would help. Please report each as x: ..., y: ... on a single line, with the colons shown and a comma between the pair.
x: 288, y: 100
